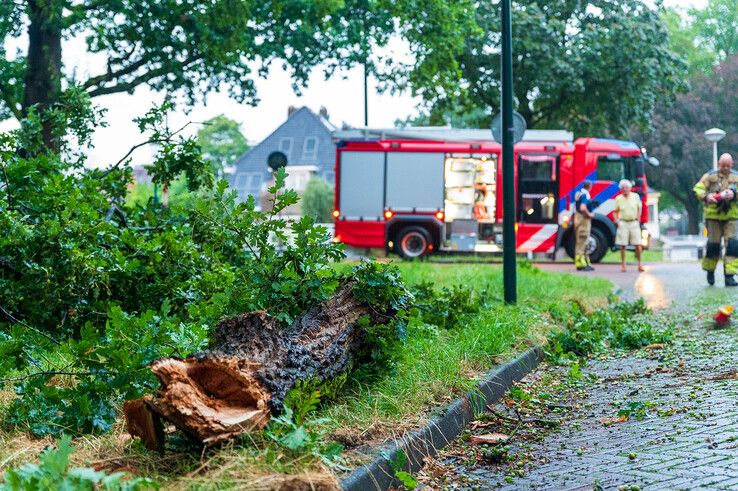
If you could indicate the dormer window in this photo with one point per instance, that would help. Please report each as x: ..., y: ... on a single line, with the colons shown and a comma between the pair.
x: 285, y: 146
x: 310, y: 149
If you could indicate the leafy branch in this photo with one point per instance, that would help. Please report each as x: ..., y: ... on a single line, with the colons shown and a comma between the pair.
x: 13, y: 319
x: 158, y: 138
x: 41, y: 374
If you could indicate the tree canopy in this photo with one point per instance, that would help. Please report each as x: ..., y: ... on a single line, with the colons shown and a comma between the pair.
x: 678, y: 138
x: 592, y: 67
x: 221, y: 142
x: 682, y: 36
x: 192, y: 48
x: 716, y: 27
x: 704, y: 39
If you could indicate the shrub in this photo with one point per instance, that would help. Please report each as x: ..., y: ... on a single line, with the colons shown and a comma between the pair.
x: 317, y: 200
x: 624, y: 325
x: 448, y: 307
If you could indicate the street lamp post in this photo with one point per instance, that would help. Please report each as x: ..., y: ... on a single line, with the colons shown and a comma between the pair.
x: 508, y: 169
x: 714, y: 135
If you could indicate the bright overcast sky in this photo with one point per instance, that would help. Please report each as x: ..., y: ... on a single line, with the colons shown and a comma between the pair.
x: 342, y: 96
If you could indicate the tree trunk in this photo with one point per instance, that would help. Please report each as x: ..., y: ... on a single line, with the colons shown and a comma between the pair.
x: 44, y: 61
x: 692, y: 208
x: 235, y: 386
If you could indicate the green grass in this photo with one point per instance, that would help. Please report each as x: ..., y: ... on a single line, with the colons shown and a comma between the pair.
x: 535, y: 287
x: 649, y: 256
x: 436, y: 367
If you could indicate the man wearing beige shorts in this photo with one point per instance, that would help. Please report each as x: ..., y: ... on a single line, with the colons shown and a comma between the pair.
x: 627, y: 214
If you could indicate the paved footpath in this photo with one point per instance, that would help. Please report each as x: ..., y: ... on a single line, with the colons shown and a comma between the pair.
x: 686, y: 394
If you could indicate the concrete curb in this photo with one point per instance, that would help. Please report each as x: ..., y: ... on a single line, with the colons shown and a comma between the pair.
x: 379, y: 476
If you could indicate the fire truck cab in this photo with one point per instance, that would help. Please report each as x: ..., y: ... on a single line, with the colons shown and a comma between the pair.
x: 415, y: 197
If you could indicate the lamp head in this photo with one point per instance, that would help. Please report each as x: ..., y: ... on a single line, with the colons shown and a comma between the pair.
x: 714, y: 134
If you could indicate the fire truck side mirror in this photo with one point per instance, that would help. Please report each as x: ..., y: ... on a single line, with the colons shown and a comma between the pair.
x: 653, y: 161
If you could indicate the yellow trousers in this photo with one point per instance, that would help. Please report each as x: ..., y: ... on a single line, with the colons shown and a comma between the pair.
x: 719, y: 233
x: 582, y: 228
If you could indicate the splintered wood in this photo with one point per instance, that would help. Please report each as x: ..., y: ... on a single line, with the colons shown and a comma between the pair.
x: 236, y: 385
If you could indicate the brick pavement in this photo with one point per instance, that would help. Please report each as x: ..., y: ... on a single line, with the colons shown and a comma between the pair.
x: 697, y: 446
x: 688, y: 438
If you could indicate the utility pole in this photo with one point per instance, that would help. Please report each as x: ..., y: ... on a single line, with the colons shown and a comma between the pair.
x: 508, y: 164
x: 366, y: 96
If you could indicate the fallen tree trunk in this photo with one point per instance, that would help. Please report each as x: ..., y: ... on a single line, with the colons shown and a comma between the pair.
x: 252, y: 364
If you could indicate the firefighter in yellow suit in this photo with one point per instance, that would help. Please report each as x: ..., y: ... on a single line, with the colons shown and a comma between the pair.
x: 718, y: 189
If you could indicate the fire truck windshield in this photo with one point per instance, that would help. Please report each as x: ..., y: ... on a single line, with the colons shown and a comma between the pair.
x: 616, y: 167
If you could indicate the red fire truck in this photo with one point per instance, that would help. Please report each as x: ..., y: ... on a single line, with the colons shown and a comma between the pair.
x: 415, y: 197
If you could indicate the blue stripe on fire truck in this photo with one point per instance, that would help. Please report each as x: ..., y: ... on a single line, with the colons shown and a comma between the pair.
x: 572, y: 194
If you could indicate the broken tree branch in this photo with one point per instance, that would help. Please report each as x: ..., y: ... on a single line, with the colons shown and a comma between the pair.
x: 234, y: 387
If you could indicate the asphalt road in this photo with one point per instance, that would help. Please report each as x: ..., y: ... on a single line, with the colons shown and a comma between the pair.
x: 662, y: 284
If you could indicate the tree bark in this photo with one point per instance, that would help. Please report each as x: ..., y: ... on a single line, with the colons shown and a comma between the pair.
x: 234, y: 387
x: 44, y: 61
x: 691, y: 206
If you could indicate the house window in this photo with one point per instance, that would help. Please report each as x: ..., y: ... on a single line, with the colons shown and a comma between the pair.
x: 255, y: 179
x: 241, y: 180
x: 285, y: 146
x: 310, y: 148
x: 248, y: 183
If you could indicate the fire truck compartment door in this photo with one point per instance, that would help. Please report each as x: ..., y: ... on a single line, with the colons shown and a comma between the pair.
x: 362, y: 185
x: 415, y: 181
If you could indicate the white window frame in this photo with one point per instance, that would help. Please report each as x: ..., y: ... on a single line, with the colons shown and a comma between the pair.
x: 310, y: 155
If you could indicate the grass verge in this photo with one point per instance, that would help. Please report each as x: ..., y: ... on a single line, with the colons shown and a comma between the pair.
x: 438, y: 365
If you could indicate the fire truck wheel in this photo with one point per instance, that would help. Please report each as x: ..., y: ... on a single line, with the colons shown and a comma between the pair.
x: 570, y: 245
x: 597, y: 245
x: 413, y: 242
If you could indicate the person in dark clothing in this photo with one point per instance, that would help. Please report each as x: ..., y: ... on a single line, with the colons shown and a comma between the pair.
x: 582, y: 227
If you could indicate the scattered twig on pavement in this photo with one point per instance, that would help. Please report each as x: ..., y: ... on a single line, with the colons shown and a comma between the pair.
x: 725, y: 376
x: 538, y: 421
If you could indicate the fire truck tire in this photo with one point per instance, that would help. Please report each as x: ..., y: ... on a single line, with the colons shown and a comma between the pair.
x: 570, y: 244
x: 413, y: 242
x: 596, y: 246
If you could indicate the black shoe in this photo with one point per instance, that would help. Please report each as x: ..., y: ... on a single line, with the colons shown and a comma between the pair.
x: 711, y: 277
x: 730, y: 281
x: 581, y: 268
x: 589, y: 268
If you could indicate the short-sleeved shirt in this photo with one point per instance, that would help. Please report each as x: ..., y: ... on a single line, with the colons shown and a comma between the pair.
x: 629, y: 208
x: 583, y: 199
